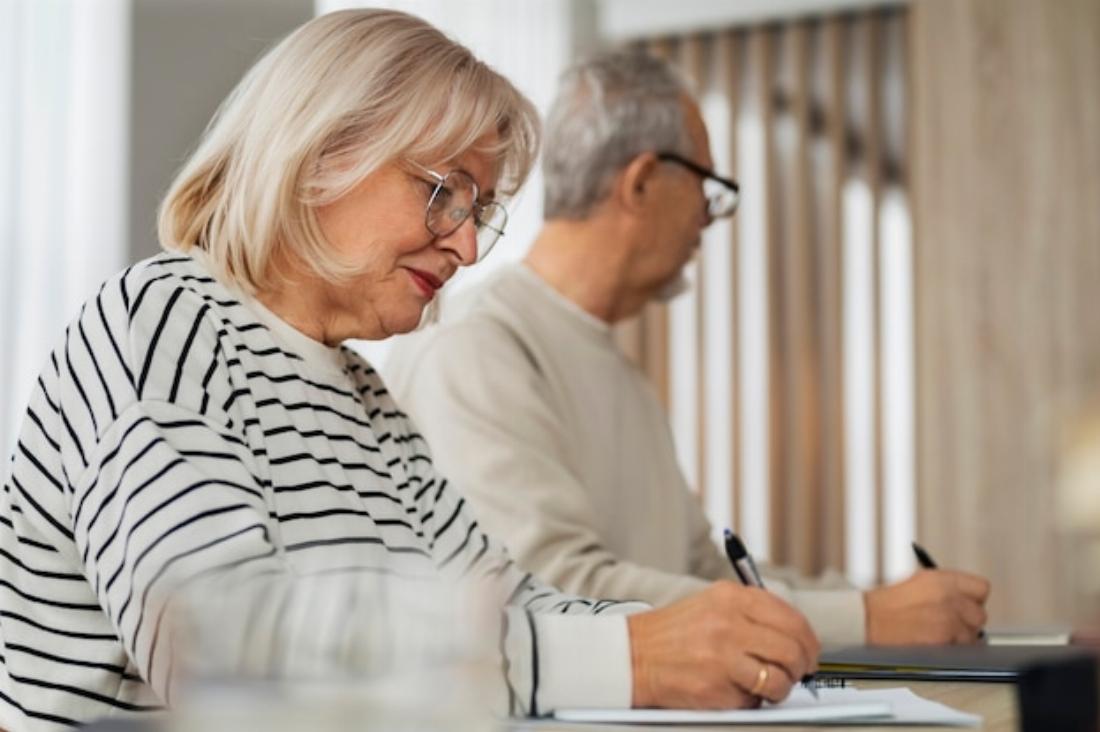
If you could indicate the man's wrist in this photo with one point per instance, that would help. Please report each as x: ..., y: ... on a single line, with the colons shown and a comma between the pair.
x: 870, y: 623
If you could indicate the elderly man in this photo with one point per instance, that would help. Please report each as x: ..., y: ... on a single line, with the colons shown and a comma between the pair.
x: 552, y: 434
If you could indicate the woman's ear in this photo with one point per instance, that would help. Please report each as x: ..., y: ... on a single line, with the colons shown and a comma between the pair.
x: 634, y: 186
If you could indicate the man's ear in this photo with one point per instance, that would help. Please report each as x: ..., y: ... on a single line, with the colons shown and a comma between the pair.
x: 634, y: 186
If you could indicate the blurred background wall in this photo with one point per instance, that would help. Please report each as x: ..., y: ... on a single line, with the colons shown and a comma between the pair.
x: 186, y: 56
x: 894, y: 339
x: 64, y: 140
x: 1007, y: 190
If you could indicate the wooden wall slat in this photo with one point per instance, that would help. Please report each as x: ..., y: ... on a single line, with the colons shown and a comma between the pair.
x: 801, y: 368
x: 663, y: 47
x: 654, y: 317
x: 692, y: 62
x: 762, y: 67
x: 729, y: 51
x: 872, y: 171
x: 834, y: 37
x: 1006, y: 179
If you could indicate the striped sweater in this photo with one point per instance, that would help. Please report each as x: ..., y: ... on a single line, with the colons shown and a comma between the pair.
x: 182, y: 434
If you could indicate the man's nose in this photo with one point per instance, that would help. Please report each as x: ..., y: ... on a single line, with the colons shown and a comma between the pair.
x: 706, y: 219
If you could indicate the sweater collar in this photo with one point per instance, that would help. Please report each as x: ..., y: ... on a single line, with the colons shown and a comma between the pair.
x: 315, y: 354
x: 564, y: 305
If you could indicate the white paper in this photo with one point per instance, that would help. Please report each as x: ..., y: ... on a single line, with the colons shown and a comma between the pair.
x: 1043, y: 635
x: 850, y: 706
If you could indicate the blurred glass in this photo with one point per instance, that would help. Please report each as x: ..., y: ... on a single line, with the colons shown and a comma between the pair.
x: 1078, y: 502
x: 411, y: 655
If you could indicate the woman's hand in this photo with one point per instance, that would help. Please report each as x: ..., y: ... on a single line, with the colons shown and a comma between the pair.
x: 727, y: 647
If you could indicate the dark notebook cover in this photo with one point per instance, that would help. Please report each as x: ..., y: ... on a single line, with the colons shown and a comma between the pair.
x: 977, y: 662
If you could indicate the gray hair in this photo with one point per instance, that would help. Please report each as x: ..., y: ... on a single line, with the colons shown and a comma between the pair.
x: 608, y: 110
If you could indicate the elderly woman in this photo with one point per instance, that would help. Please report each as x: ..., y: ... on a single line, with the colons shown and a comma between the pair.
x: 200, y: 421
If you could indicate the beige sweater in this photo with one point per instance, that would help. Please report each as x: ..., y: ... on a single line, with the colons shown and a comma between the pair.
x: 565, y: 453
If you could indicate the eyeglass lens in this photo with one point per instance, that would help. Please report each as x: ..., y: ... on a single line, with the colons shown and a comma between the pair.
x: 721, y: 201
x: 455, y: 200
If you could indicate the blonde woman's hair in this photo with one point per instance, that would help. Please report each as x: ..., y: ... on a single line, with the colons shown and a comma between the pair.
x: 337, y: 99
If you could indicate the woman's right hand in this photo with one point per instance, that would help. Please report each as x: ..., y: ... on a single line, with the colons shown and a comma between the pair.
x: 726, y: 647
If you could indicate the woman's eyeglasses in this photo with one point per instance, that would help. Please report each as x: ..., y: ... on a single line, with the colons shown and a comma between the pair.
x: 453, y: 200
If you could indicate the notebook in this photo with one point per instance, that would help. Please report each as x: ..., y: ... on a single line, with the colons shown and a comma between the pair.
x: 976, y: 662
x: 836, y: 706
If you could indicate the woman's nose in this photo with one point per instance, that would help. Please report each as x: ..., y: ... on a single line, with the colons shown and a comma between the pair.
x: 463, y: 242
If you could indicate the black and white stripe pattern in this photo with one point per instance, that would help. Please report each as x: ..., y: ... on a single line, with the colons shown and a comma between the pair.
x: 173, y: 438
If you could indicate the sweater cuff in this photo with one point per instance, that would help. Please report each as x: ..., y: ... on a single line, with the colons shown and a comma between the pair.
x: 585, y: 662
x: 837, y: 616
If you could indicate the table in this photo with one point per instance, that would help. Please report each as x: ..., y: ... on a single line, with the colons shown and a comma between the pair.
x: 996, y: 703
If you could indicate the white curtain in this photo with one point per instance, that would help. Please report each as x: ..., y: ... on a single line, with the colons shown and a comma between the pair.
x: 64, y: 106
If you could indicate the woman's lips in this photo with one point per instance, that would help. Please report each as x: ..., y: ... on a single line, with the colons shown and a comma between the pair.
x: 426, y: 282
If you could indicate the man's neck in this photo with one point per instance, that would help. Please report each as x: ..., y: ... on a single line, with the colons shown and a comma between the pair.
x: 587, y: 263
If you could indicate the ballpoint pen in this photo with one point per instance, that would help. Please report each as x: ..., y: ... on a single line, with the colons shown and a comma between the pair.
x: 745, y: 568
x: 924, y: 559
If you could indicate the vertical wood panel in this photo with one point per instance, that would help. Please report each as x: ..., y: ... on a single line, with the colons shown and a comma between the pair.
x: 654, y: 317
x: 831, y: 313
x: 872, y: 170
x: 762, y: 67
x: 1007, y: 179
x: 692, y: 64
x: 729, y: 51
x: 939, y: 41
x: 801, y: 368
x: 663, y: 47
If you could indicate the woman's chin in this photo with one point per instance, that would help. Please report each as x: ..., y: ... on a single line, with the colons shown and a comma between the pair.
x: 405, y: 322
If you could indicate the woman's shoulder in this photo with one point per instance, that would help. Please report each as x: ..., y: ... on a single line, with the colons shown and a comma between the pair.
x: 152, y: 288
x: 143, y: 303
x: 175, y: 296
x: 142, y: 335
x: 159, y: 320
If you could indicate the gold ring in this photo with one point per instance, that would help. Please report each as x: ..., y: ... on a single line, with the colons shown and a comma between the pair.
x: 761, y: 679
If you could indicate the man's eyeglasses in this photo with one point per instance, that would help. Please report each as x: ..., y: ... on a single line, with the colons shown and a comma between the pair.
x: 453, y: 200
x: 722, y: 194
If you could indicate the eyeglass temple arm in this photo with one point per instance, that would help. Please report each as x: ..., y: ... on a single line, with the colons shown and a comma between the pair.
x: 700, y: 170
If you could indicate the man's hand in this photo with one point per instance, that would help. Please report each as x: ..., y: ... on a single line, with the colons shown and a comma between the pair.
x: 726, y: 647
x: 932, y: 607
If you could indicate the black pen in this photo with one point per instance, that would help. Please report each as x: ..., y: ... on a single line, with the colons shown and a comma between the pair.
x: 745, y: 568
x: 924, y: 559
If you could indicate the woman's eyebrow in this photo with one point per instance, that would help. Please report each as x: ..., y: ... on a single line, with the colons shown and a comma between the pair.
x: 484, y: 196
